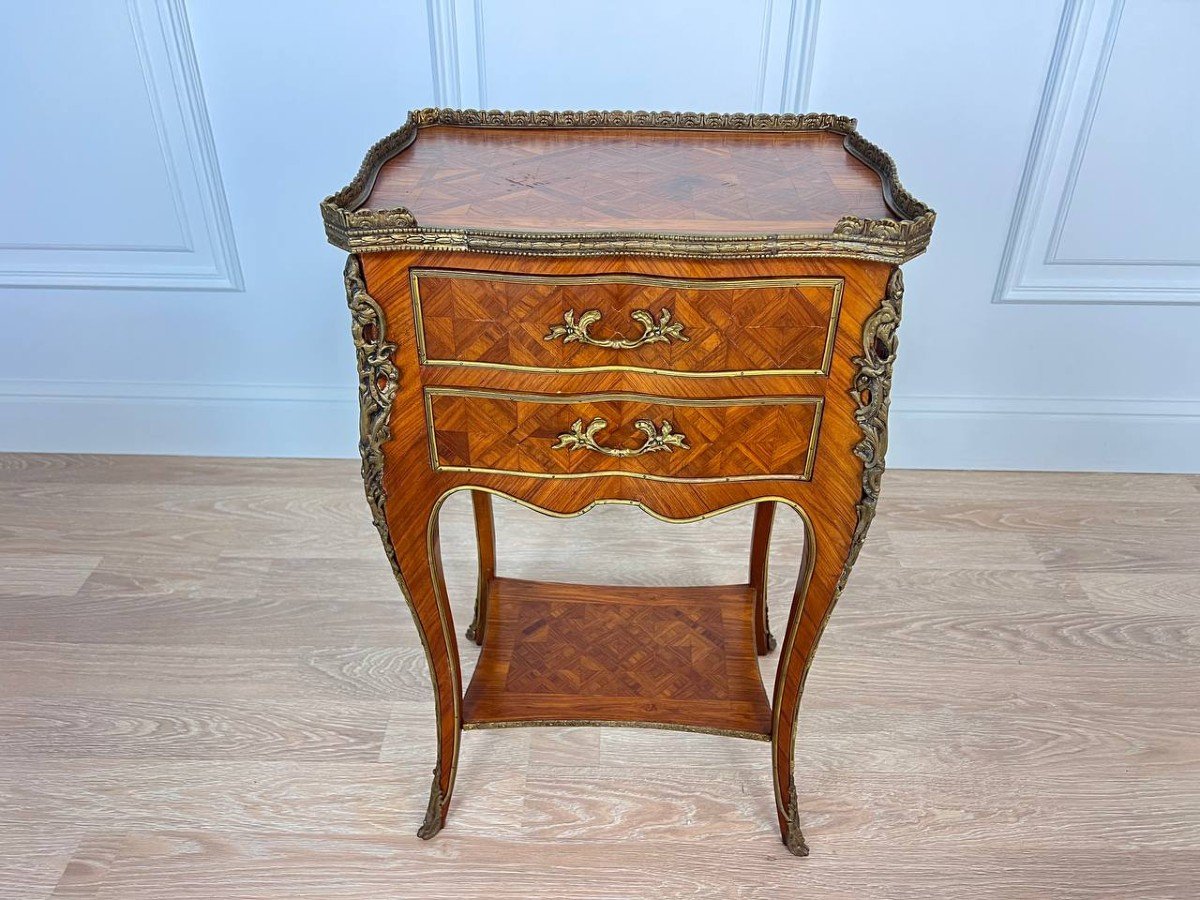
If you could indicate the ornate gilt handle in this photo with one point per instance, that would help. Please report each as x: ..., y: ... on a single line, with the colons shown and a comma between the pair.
x: 660, y: 332
x: 656, y: 439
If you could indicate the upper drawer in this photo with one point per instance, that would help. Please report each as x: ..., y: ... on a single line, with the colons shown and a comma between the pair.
x: 591, y: 323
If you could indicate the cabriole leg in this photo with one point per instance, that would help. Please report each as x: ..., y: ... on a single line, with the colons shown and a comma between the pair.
x: 833, y: 548
x: 827, y: 546
x: 418, y: 553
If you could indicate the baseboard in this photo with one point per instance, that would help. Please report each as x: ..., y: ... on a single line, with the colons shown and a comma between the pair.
x: 179, y: 419
x: 1045, y: 434
x: 1053, y: 434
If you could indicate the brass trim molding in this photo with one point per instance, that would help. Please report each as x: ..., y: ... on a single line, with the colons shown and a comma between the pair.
x: 562, y: 399
x: 605, y: 723
x: 895, y: 241
x: 836, y: 286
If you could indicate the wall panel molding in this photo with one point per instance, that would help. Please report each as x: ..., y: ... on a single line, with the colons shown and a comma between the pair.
x: 476, y: 41
x: 457, y: 53
x: 762, y: 55
x: 459, y: 58
x: 443, y: 53
x: 206, y: 259
x: 785, y: 66
x: 1033, y: 267
x: 795, y: 85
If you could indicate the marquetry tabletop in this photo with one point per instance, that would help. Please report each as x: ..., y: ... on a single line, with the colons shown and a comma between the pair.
x: 626, y: 179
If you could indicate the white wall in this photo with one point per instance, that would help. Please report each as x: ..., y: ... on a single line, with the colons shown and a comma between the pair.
x: 165, y: 285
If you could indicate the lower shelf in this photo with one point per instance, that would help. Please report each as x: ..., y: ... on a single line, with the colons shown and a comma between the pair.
x: 577, y: 654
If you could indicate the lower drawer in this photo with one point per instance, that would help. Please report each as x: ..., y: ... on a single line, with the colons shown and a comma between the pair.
x: 557, y: 436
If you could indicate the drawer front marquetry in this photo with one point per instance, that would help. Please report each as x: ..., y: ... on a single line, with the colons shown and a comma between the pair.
x: 697, y: 327
x: 665, y: 439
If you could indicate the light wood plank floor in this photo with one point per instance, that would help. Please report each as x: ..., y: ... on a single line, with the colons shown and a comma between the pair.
x: 210, y: 688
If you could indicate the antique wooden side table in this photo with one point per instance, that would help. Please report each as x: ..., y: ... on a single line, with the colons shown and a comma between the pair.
x: 686, y: 313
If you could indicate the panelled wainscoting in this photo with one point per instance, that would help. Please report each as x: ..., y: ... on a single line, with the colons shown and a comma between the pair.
x: 1070, y: 251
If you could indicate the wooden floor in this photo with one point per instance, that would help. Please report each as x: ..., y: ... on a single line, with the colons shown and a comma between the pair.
x: 209, y: 688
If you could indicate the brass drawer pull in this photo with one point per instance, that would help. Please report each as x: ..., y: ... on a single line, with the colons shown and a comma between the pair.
x: 660, y: 332
x: 656, y: 439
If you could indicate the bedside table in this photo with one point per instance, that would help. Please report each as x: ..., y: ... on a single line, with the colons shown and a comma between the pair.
x: 685, y: 313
